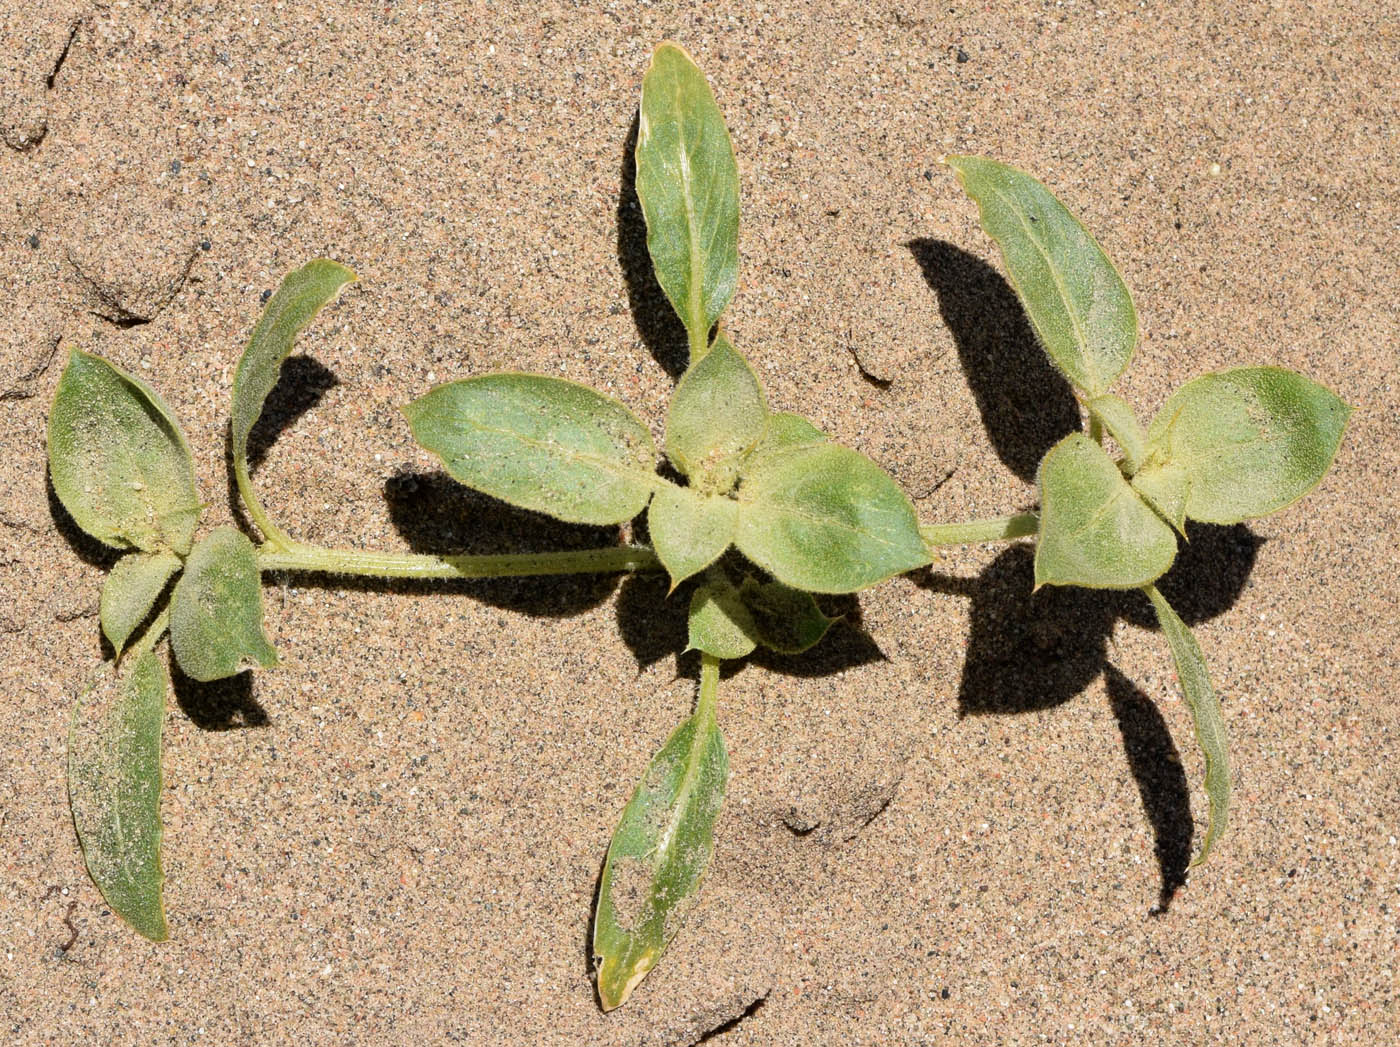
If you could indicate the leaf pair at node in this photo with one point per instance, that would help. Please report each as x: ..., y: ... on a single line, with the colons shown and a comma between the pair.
x: 121, y: 466
x: 1226, y: 447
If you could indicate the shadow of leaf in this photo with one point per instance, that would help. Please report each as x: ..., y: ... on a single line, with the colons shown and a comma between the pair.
x: 1155, y: 764
x: 220, y: 705
x: 1026, y: 405
x: 302, y: 384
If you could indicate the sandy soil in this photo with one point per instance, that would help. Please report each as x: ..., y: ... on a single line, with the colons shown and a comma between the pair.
x: 964, y: 819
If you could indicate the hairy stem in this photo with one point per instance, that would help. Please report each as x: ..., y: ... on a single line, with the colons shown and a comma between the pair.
x: 272, y: 534
x: 1095, y: 429
x: 1000, y: 529
x: 150, y: 636
x: 370, y: 564
x: 709, y: 688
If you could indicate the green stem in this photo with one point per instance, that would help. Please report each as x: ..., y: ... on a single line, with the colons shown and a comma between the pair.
x: 298, y: 557
x: 1095, y: 429
x: 699, y: 340
x: 1000, y: 529
x: 709, y: 688
x: 272, y: 534
x: 150, y: 636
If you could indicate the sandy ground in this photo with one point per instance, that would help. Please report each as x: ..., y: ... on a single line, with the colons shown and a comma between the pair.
x: 964, y: 819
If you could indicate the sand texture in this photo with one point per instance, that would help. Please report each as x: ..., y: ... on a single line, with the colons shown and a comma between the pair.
x: 966, y: 817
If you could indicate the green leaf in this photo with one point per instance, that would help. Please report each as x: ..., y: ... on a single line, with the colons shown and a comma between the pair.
x: 1118, y: 418
x: 1205, y: 713
x: 688, y: 186
x: 216, y: 610
x: 118, y: 460
x: 690, y: 530
x: 131, y: 591
x: 1076, y: 301
x: 1094, y: 531
x: 545, y: 444
x: 1165, y: 487
x: 658, y: 856
x: 1252, y: 440
x: 720, y: 623
x: 826, y: 519
x: 114, y: 789
x: 783, y: 619
x: 717, y: 415
x: 783, y: 431
x: 302, y: 294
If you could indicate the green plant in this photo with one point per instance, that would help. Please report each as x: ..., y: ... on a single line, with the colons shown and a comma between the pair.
x: 1226, y: 447
x: 767, y: 511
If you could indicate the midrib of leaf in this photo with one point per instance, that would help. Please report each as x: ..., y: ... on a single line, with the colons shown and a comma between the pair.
x: 563, y: 451
x: 1074, y: 318
x: 1232, y: 449
x: 824, y: 521
x: 699, y: 741
x: 1102, y: 511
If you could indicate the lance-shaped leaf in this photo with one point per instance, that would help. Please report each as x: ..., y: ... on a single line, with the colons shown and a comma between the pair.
x: 114, y: 789
x: 825, y: 519
x: 545, y: 444
x: 1205, y: 714
x: 131, y: 591
x: 658, y: 856
x: 1076, y: 301
x: 1117, y: 417
x: 719, y: 623
x: 302, y: 294
x: 690, y: 530
x: 717, y: 415
x: 688, y: 185
x: 118, y: 460
x: 1251, y: 440
x: 216, y: 610
x: 1094, y: 530
x: 783, y: 619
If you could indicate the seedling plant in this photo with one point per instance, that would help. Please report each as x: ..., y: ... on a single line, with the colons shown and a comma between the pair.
x: 758, y: 513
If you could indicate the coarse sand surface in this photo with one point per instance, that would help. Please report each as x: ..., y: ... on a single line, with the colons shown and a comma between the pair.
x: 965, y: 818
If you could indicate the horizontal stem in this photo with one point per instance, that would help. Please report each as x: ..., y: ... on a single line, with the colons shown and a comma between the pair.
x: 607, y: 560
x: 1000, y: 529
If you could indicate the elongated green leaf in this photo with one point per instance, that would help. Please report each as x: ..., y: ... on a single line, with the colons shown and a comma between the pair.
x: 545, y: 444
x: 1094, y: 530
x: 688, y: 185
x: 114, y: 789
x: 826, y: 519
x: 783, y: 619
x: 303, y: 293
x: 216, y: 610
x: 131, y: 591
x: 1165, y: 487
x: 720, y: 623
x: 1076, y: 301
x: 717, y: 415
x: 1252, y: 440
x: 1205, y: 714
x: 1118, y: 418
x: 658, y: 856
x: 119, y: 462
x: 690, y: 530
